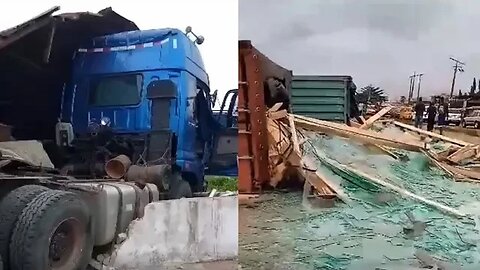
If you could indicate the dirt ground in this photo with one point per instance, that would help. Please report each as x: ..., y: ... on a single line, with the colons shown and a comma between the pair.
x: 264, y: 242
x: 220, y: 265
x: 466, y: 134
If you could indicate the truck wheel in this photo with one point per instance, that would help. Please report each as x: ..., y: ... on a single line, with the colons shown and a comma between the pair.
x: 53, y: 232
x: 179, y: 188
x: 477, y: 125
x: 11, y: 207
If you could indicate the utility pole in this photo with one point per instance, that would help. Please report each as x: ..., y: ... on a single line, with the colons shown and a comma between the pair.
x: 419, y: 82
x: 412, y: 87
x: 458, y: 67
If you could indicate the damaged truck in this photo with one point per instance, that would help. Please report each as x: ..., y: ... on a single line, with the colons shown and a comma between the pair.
x: 100, y: 118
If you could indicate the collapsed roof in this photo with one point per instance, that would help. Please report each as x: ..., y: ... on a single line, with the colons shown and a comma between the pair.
x: 35, y: 63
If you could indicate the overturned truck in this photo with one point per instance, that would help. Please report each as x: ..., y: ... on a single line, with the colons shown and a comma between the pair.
x: 104, y: 119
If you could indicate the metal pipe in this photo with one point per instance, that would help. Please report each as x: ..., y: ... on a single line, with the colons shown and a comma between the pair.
x: 157, y: 174
x: 117, y: 167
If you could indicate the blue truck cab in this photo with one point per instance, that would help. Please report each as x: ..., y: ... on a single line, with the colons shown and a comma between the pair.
x: 152, y: 90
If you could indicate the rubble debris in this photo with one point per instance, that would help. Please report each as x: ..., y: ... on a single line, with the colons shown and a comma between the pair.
x: 465, y: 153
x: 287, y: 160
x: 212, y: 193
x: 350, y: 170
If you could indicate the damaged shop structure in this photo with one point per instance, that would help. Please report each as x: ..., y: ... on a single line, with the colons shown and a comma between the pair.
x: 332, y: 160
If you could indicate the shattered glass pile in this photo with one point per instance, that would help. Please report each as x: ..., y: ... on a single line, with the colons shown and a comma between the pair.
x: 370, y: 233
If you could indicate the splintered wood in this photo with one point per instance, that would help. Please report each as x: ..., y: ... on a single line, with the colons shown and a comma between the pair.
x: 460, y: 160
x: 286, y: 159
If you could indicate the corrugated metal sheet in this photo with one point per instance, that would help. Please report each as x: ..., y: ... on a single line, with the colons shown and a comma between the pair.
x: 321, y: 97
x: 106, y: 21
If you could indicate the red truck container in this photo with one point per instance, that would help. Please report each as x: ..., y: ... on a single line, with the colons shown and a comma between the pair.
x: 254, y: 68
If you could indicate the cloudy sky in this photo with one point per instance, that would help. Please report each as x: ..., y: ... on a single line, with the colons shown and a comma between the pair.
x: 216, y: 20
x: 376, y: 41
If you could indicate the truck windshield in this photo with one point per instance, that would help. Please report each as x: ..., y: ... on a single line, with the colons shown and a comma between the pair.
x: 115, y: 90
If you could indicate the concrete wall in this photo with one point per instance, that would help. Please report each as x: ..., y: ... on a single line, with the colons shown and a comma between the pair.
x: 185, y: 230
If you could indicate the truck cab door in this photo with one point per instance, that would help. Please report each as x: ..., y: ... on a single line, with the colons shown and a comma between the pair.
x: 225, y: 149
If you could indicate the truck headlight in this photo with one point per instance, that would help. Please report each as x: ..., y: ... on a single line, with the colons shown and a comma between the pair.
x: 105, y: 121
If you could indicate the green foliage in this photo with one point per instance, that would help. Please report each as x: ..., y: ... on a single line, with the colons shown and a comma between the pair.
x: 371, y: 94
x: 221, y: 183
x: 473, y: 87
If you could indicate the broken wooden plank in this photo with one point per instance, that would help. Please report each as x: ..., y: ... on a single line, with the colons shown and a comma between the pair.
x: 293, y: 131
x: 275, y: 107
x: 354, y: 133
x: 431, y: 134
x: 277, y: 115
x: 311, y: 168
x: 464, y: 153
x: 367, y: 124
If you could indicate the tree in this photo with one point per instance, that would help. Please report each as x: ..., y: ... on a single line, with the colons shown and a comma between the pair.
x: 371, y: 94
x: 474, y: 86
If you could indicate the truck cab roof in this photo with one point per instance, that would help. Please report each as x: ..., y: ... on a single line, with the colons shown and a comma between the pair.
x: 165, y: 48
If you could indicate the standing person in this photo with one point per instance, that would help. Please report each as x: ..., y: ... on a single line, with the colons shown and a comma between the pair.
x: 419, y: 111
x: 431, y: 113
x: 354, y: 111
x: 442, y: 114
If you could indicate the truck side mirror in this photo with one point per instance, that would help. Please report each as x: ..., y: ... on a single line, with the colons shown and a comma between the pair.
x: 213, y: 97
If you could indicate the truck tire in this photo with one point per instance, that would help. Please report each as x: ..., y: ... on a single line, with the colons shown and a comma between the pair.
x: 54, y: 231
x: 179, y: 188
x: 11, y: 207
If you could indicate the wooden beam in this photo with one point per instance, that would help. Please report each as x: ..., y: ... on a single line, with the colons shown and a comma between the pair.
x: 366, y: 136
x: 367, y: 124
x: 404, y: 192
x: 431, y: 134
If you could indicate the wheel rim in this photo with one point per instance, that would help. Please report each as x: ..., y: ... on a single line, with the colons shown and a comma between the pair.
x: 66, y: 244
